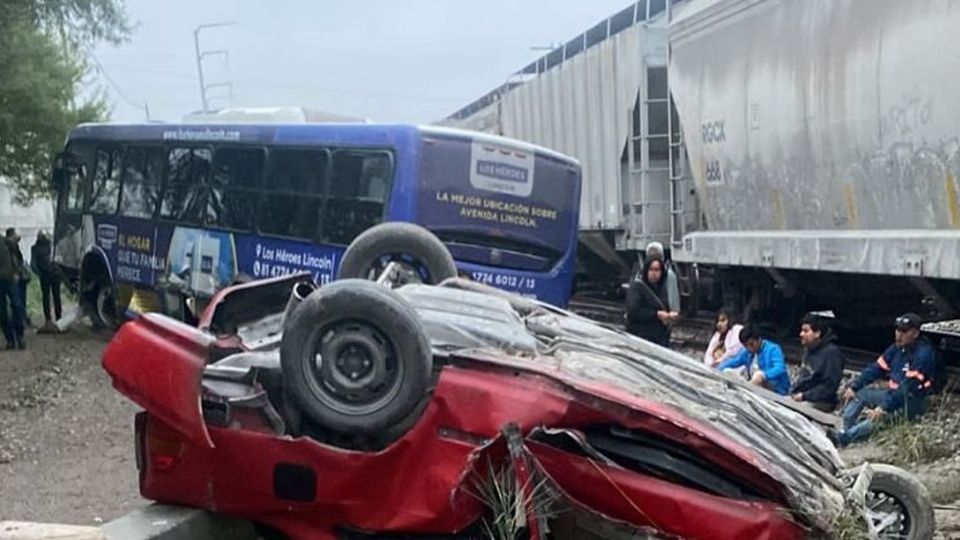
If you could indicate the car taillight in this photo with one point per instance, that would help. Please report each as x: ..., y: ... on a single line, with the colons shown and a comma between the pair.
x: 159, y: 448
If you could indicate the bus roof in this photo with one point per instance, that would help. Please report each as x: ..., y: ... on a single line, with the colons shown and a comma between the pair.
x: 290, y: 133
x: 496, y: 139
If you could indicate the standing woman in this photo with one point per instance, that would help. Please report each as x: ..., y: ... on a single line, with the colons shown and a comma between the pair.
x: 725, y: 343
x: 648, y: 312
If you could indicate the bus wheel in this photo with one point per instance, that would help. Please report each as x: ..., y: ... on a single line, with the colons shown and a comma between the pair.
x: 355, y: 358
x: 104, y: 309
x: 397, y: 253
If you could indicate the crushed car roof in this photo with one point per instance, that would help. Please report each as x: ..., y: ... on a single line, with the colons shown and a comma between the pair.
x: 485, y: 325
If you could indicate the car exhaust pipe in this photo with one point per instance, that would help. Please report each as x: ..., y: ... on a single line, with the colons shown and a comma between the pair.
x: 300, y: 291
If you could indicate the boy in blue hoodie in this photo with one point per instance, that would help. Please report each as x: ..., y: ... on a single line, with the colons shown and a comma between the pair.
x: 763, y: 360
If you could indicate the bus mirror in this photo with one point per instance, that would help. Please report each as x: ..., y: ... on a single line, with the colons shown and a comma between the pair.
x: 58, y: 175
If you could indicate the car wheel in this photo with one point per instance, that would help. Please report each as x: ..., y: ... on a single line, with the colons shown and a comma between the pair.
x: 355, y: 357
x: 397, y: 253
x: 898, y: 505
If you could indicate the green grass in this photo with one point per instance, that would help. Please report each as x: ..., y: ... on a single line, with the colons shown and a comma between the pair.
x: 926, y: 440
x: 507, y: 502
x: 34, y: 301
x: 850, y: 525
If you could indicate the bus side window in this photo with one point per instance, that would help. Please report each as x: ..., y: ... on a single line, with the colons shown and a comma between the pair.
x: 185, y: 191
x: 76, y: 167
x: 105, y: 194
x: 293, y: 193
x: 232, y: 199
x: 359, y: 189
x: 142, y: 172
x: 78, y: 162
x: 76, y: 175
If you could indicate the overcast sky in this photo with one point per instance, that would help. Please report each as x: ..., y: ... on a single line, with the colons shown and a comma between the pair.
x: 385, y: 60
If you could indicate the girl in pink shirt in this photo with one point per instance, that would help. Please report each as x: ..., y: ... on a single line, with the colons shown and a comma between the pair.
x: 725, y: 342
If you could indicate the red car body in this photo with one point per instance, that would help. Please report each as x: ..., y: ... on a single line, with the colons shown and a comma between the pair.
x: 421, y: 482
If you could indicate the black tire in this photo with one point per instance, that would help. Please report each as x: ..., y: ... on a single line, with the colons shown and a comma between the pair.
x: 396, y: 240
x: 380, y: 362
x: 894, y: 489
x: 102, y: 307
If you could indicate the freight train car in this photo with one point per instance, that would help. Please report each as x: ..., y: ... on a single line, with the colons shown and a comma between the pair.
x: 604, y: 97
x: 792, y: 156
x: 824, y: 137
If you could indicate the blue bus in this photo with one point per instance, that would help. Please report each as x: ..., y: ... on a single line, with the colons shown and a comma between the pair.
x: 184, y: 210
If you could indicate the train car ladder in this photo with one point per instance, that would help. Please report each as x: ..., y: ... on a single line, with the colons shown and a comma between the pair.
x: 643, y: 224
x: 677, y: 164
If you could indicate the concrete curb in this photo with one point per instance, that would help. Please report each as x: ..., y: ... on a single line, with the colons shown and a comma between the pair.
x: 22, y: 530
x: 161, y: 522
x: 154, y: 522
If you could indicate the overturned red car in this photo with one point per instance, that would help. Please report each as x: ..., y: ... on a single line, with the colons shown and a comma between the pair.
x: 395, y: 408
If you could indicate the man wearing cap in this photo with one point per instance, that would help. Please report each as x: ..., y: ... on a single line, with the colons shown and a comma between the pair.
x: 908, y: 366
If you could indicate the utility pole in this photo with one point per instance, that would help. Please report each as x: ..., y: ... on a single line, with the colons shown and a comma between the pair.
x: 200, y: 56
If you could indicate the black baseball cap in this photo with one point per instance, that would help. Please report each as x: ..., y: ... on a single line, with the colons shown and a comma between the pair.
x: 908, y: 321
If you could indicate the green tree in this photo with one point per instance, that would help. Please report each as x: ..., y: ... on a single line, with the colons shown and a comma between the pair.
x: 43, y: 47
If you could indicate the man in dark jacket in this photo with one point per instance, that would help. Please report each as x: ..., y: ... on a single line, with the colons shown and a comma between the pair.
x: 23, y: 273
x: 11, y: 320
x: 49, y: 274
x: 909, y: 366
x: 822, y: 368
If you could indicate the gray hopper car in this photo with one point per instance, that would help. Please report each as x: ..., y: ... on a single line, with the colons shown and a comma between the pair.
x: 824, y: 139
x: 792, y: 155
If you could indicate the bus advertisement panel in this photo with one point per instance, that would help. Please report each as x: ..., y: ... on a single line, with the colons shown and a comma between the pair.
x: 145, y: 253
x: 506, y: 212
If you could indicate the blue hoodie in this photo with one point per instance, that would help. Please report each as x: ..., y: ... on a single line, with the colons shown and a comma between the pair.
x: 769, y: 360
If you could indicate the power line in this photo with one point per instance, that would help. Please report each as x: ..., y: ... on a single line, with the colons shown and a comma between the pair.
x: 250, y: 83
x: 111, y: 82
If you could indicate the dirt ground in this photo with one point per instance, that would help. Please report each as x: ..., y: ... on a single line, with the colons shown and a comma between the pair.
x: 66, y: 444
x: 66, y: 438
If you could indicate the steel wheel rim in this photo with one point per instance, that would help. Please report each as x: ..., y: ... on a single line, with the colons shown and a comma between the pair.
x: 888, y: 515
x: 106, y: 305
x: 363, y: 373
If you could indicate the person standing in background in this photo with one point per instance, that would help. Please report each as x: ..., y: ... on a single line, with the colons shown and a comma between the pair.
x: 648, y: 313
x: 10, y: 310
x: 49, y: 274
x: 655, y: 251
x: 23, y: 272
